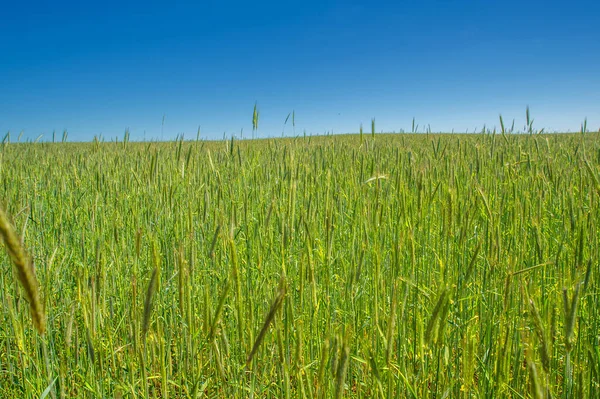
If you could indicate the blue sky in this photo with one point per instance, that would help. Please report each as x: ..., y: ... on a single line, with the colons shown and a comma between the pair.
x: 102, y: 67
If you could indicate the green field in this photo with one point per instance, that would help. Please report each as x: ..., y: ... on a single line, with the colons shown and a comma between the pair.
x: 387, y: 266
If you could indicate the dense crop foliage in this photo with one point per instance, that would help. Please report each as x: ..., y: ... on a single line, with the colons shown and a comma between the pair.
x: 418, y: 266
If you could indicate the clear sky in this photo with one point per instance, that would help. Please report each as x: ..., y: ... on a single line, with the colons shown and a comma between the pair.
x: 101, y: 67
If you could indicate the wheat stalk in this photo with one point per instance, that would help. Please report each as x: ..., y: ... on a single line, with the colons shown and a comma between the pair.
x: 24, y: 270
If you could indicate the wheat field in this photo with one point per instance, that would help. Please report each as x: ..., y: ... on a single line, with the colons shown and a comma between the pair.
x: 385, y: 266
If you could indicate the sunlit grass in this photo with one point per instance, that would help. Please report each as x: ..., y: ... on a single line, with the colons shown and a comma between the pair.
x: 409, y: 265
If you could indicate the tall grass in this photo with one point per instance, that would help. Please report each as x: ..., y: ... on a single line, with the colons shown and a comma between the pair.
x: 423, y: 266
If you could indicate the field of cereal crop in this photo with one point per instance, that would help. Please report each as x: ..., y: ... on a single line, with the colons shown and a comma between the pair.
x: 406, y: 265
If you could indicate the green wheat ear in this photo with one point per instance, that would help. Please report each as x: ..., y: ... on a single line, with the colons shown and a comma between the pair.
x: 24, y: 270
x: 255, y: 116
x: 277, y: 302
x: 148, y: 301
